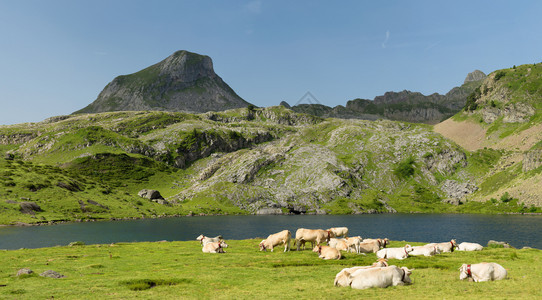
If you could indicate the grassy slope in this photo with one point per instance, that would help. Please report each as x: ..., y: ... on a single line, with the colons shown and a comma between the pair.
x: 181, y: 270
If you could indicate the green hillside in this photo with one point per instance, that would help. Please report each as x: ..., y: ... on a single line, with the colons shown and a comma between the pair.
x: 270, y: 160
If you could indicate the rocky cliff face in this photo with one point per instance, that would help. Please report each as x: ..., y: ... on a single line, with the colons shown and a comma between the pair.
x: 402, y: 106
x: 184, y: 81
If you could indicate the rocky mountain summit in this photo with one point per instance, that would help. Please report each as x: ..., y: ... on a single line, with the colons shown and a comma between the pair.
x: 184, y: 81
x: 402, y: 106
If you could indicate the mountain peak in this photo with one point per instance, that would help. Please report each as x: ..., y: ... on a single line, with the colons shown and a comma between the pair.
x: 184, y: 81
x: 475, y: 75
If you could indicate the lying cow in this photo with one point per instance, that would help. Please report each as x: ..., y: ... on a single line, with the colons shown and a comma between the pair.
x: 205, y: 239
x: 382, y: 243
x: 380, y: 277
x: 426, y: 250
x: 339, y: 231
x: 343, y: 277
x: 482, y: 272
x: 446, y: 246
x: 317, y: 236
x: 276, y: 239
x: 469, y: 247
x: 397, y: 253
x: 214, y: 247
x: 326, y: 252
x: 369, y: 247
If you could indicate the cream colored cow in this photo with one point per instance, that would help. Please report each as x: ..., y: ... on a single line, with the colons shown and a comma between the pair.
x: 276, y: 239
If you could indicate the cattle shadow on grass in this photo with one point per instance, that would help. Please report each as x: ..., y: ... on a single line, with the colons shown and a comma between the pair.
x: 145, y: 284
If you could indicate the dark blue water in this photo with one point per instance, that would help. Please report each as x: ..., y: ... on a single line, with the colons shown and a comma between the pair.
x: 518, y: 230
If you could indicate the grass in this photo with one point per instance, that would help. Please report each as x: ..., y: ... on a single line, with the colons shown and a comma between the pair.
x: 179, y: 270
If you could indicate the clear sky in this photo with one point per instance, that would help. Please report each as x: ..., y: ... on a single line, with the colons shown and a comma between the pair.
x: 56, y: 56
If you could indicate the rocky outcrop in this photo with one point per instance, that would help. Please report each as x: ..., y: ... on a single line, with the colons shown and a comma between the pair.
x: 457, y: 190
x: 475, y: 75
x: 532, y: 160
x: 184, y: 81
x: 150, y: 194
x: 29, y: 208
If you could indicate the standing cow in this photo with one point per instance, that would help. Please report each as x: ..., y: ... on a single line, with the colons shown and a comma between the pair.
x: 276, y: 239
x: 317, y: 236
x: 339, y: 231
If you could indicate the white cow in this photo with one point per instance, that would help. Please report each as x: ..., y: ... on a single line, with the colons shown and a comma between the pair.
x: 446, y: 246
x: 380, y: 277
x: 397, y: 253
x: 339, y: 231
x: 482, y: 272
x: 205, y: 239
x: 469, y: 247
x: 317, y: 236
x: 276, y: 239
x: 354, y: 243
x: 343, y: 277
x: 214, y: 247
x: 326, y: 252
x: 427, y: 250
x: 339, y: 244
x: 369, y: 247
x: 382, y: 243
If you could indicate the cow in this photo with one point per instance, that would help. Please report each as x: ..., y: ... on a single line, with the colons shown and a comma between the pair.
x: 397, y: 253
x: 276, y: 239
x: 382, y: 243
x: 380, y: 277
x: 317, y: 236
x: 214, y: 247
x: 342, y: 278
x: 427, y: 250
x: 339, y: 244
x: 326, y: 252
x: 482, y: 272
x: 469, y: 247
x: 339, y: 231
x: 446, y: 246
x: 353, y: 243
x: 369, y: 247
x: 205, y: 239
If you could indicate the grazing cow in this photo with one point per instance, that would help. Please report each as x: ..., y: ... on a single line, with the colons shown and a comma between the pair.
x: 317, y: 236
x: 380, y: 277
x: 339, y: 231
x: 353, y: 243
x: 397, y: 253
x: 424, y: 250
x: 342, y: 278
x: 205, y: 239
x: 214, y: 247
x: 326, y: 252
x: 446, y: 246
x: 482, y: 272
x: 276, y: 239
x: 469, y: 247
x: 382, y: 243
x: 369, y: 247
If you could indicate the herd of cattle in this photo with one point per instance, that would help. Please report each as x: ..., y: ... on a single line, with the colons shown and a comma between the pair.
x: 379, y: 274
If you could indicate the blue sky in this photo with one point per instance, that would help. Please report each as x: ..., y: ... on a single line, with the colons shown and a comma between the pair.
x: 56, y: 56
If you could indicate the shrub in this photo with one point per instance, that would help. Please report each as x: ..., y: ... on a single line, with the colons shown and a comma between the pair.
x: 505, y: 198
x: 499, y: 75
x: 405, y: 168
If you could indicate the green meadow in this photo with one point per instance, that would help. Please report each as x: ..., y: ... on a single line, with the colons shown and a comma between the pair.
x: 179, y: 270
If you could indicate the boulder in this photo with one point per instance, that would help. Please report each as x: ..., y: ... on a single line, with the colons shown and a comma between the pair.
x: 52, y: 274
x: 150, y: 194
x: 452, y: 201
x: 504, y: 244
x: 29, y: 208
x: 457, y: 190
x: 24, y: 271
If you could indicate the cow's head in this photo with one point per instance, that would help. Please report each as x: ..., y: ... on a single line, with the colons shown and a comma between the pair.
x: 463, y: 272
x: 381, y: 262
x: 406, y: 275
x: 408, y: 248
x: 262, y: 246
x: 200, y: 237
x: 223, y: 245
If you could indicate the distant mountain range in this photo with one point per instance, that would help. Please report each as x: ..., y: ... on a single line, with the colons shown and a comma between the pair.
x: 401, y: 106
